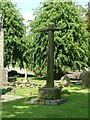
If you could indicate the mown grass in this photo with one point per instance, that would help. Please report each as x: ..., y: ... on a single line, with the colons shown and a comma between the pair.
x: 76, y: 105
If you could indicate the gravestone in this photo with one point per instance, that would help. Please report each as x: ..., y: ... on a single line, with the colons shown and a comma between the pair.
x: 85, y: 76
x: 50, y: 92
x: 65, y: 81
x: 3, y: 71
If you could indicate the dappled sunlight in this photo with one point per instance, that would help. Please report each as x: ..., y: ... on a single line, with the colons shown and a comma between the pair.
x: 74, y: 101
x: 20, y: 107
x: 54, y: 45
x: 77, y: 89
x: 75, y: 105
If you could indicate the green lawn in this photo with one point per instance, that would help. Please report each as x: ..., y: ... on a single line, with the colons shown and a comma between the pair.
x: 76, y: 105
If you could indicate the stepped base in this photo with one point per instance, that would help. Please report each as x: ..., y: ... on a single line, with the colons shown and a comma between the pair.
x: 48, y: 96
x: 46, y: 102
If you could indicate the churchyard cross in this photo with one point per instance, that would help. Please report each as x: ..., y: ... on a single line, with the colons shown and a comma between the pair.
x: 49, y: 94
x: 50, y: 61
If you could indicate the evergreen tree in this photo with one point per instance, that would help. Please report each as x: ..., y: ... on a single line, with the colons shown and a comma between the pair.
x: 70, y: 44
x: 88, y: 27
x: 14, y: 31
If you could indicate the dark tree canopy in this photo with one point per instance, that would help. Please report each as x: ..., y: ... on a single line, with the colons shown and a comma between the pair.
x: 70, y: 44
x: 14, y: 31
x: 88, y: 27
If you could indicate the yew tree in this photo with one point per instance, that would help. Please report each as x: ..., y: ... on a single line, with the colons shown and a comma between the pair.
x: 70, y: 44
x: 14, y: 31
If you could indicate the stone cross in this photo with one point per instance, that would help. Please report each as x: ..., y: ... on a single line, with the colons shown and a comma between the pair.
x: 50, y: 61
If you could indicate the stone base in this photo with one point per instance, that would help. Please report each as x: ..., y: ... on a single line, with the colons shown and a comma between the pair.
x: 48, y: 96
x: 46, y: 102
x: 49, y: 93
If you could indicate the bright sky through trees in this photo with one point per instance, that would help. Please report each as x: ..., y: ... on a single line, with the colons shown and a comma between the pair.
x: 26, y: 6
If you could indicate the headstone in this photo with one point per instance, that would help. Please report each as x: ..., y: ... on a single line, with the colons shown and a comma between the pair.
x: 86, y: 78
x: 65, y: 81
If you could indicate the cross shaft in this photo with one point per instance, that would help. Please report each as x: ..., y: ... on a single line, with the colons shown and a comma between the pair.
x: 50, y: 60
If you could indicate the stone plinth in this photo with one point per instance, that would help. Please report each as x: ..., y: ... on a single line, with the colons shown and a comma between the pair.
x: 49, y: 93
x: 48, y: 96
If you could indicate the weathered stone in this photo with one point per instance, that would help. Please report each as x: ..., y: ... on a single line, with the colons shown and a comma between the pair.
x: 74, y: 75
x: 49, y: 93
x: 46, y: 102
x: 3, y: 72
x: 50, y: 59
x: 3, y: 75
x: 34, y: 101
x: 86, y: 79
x: 65, y: 81
x: 53, y: 102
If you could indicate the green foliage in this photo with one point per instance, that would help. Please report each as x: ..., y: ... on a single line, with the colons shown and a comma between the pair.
x: 14, y: 31
x: 88, y: 27
x: 70, y: 44
x: 87, y: 23
x: 88, y: 16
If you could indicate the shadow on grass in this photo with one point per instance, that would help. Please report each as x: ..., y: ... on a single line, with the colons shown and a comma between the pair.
x: 4, y: 90
x: 75, y: 107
